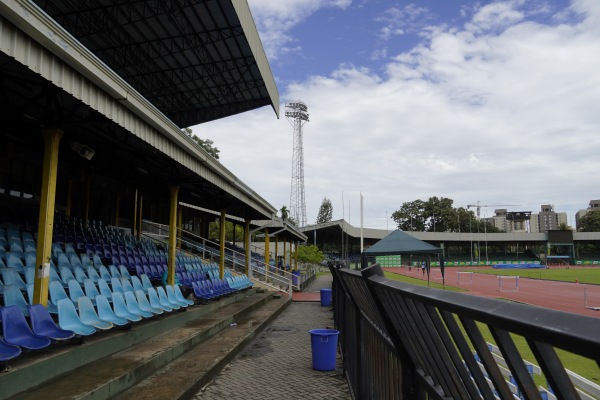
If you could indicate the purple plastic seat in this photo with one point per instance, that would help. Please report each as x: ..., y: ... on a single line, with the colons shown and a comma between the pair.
x: 17, y: 331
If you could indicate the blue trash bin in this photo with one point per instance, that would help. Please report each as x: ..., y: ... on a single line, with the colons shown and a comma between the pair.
x: 325, y: 297
x: 295, y: 278
x: 324, y: 344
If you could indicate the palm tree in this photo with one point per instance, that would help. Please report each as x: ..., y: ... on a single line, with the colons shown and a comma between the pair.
x: 284, y: 212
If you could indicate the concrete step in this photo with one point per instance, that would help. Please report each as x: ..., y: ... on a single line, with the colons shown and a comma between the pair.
x: 142, y: 351
x: 184, y: 377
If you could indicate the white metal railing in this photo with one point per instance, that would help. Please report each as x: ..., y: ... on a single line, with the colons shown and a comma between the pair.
x: 277, y: 279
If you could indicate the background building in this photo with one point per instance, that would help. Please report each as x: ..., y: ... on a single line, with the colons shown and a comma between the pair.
x: 594, y: 205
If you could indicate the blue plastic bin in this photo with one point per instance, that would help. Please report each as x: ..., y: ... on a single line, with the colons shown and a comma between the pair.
x: 325, y: 297
x: 324, y: 344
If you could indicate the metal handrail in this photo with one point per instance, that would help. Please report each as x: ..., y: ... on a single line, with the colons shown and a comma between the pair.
x: 432, y: 343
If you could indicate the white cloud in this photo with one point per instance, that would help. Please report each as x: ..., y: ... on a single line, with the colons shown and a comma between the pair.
x: 397, y: 21
x: 502, y: 110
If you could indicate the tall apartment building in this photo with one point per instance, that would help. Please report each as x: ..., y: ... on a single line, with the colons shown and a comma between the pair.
x: 547, y: 219
x: 525, y: 221
x: 593, y: 206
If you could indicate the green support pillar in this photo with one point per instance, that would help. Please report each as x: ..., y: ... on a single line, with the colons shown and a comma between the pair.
x: 172, y: 234
x: 46, y: 221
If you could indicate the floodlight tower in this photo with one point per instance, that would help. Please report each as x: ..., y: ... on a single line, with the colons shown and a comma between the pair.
x: 296, y: 113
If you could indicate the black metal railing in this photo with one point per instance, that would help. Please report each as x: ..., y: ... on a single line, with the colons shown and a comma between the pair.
x: 402, y: 341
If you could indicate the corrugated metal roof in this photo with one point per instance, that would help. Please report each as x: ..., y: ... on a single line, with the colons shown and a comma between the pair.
x: 195, y: 61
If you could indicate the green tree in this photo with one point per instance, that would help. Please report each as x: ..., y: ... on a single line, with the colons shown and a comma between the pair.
x: 206, y: 144
x: 438, y: 215
x: 284, y: 213
x: 325, y: 211
x: 310, y: 254
x: 214, y: 230
x: 590, y: 222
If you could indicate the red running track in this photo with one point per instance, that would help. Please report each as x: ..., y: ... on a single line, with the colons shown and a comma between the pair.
x: 563, y: 296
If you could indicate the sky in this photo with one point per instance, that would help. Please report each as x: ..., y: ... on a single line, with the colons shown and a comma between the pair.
x: 496, y: 102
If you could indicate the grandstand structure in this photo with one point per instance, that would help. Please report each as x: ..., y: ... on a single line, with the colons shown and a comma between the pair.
x: 93, y: 101
x: 467, y: 248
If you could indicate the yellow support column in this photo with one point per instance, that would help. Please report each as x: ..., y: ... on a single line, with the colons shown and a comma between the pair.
x: 247, y: 246
x: 172, y: 234
x: 267, y: 253
x: 222, y: 244
x: 276, y: 254
x: 46, y: 222
x: 179, y: 226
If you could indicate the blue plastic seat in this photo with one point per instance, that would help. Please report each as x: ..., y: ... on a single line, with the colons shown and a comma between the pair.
x: 65, y: 275
x: 97, y: 261
x: 30, y: 259
x: 7, y: 352
x: 42, y: 324
x: 14, y: 297
x: 134, y: 307
x: 164, y: 299
x: 90, y: 289
x: 69, y: 320
x: 11, y: 277
x: 121, y: 310
x: 155, y: 301
x: 75, y: 260
x: 171, y: 294
x: 51, y: 307
x: 17, y: 332
x: 13, y: 260
x: 88, y: 315
x: 145, y: 305
x: 200, y: 293
x: 106, y: 313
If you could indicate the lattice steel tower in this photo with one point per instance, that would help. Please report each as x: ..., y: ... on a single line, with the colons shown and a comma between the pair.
x: 296, y: 113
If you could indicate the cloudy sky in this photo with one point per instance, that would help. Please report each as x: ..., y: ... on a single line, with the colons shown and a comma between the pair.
x: 489, y: 101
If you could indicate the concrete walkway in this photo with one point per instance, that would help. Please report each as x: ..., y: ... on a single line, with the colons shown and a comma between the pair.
x: 278, y: 364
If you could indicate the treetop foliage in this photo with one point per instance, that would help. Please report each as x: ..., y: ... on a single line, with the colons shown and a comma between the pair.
x: 438, y: 215
x: 325, y: 211
x: 206, y: 144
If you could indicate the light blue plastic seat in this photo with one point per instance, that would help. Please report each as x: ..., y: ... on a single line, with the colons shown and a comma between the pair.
x: 80, y: 275
x: 126, y: 284
x: 69, y: 320
x: 90, y: 289
x: 12, y: 277
x: 146, y: 281
x: 97, y: 261
x: 17, y: 332
x: 93, y: 274
x: 14, y: 297
x: 13, y: 260
x: 164, y: 299
x: 179, y: 296
x: 75, y: 260
x: 106, y: 313
x: 145, y: 305
x: 137, y: 284
x: 104, y: 289
x: 121, y: 310
x: 173, y: 296
x: 30, y: 259
x: 116, y: 286
x: 57, y: 293
x: 85, y: 261
x: 134, y: 307
x: 155, y: 301
x: 29, y: 275
x: 104, y: 274
x: 42, y: 324
x: 124, y: 272
x: 88, y: 315
x: 51, y: 307
x: 75, y: 291
x: 114, y: 271
x: 62, y: 260
x: 65, y: 275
